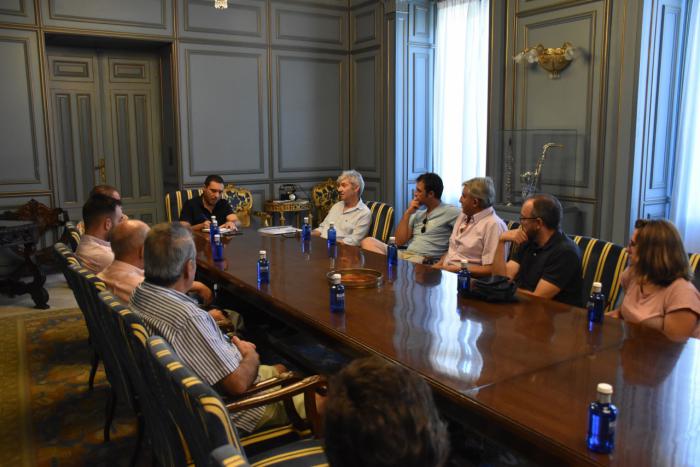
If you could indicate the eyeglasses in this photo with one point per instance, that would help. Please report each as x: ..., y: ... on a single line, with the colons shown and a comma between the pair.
x: 425, y: 223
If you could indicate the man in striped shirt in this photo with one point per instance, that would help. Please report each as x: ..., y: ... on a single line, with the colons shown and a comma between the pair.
x: 170, y: 265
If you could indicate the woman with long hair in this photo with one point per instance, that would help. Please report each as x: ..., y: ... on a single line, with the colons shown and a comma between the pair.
x: 658, y: 291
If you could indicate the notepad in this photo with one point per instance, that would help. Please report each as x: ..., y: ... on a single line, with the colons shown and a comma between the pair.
x: 279, y: 230
x: 222, y: 230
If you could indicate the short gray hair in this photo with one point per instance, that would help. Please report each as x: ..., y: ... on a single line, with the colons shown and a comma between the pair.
x: 355, y: 178
x: 482, y: 189
x: 168, y: 248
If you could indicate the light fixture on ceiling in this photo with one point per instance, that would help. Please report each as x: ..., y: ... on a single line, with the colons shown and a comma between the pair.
x: 552, y: 59
x: 220, y: 4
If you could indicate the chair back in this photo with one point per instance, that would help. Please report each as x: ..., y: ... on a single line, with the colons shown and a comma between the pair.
x: 175, y: 199
x: 512, y: 225
x: 694, y: 259
x: 197, y: 408
x: 101, y: 332
x: 72, y: 235
x: 382, y: 220
x: 241, y: 201
x: 324, y: 196
x: 602, y: 262
x: 132, y: 336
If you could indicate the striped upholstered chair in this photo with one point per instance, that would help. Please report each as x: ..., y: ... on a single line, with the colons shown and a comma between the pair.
x: 382, y: 220
x: 602, y: 262
x: 240, y: 199
x: 695, y: 267
x: 205, y: 419
x: 175, y: 199
x: 72, y: 235
x: 228, y: 456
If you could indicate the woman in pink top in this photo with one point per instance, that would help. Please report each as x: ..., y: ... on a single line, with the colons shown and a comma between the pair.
x: 658, y: 291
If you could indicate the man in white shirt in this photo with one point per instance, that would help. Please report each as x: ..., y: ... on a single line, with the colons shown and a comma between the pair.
x: 350, y: 216
x: 101, y: 214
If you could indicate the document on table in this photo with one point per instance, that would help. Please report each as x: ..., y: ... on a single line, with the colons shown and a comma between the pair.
x: 279, y: 230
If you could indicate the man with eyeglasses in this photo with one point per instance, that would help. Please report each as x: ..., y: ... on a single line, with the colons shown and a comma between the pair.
x: 547, y: 263
x: 197, y: 211
x: 477, y: 230
x: 424, y: 231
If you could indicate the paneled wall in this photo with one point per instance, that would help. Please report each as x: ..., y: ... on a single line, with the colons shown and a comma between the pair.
x: 266, y: 92
x: 588, y: 98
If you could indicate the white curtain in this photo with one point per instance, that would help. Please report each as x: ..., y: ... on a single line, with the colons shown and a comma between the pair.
x: 685, y: 205
x: 460, y: 93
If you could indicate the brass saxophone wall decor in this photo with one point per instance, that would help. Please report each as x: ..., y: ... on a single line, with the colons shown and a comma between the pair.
x: 531, y: 180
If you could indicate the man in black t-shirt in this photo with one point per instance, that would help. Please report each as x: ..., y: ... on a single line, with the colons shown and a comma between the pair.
x: 197, y: 211
x: 547, y: 263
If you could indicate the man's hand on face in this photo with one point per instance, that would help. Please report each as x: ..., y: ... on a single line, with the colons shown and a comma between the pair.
x: 517, y: 236
x: 413, y: 206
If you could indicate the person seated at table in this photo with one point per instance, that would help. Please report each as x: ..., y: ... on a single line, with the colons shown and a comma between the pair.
x: 425, y: 232
x: 166, y: 310
x: 100, y: 214
x: 351, y: 217
x: 380, y: 414
x: 476, y: 232
x: 658, y: 291
x: 547, y: 263
x: 197, y: 212
x: 106, y: 190
x: 126, y: 271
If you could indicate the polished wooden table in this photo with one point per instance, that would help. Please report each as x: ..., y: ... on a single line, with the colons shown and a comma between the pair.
x: 522, y: 372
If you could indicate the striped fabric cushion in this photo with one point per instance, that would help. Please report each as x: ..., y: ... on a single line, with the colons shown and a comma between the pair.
x: 72, y: 235
x: 227, y: 456
x: 603, y: 262
x: 695, y: 267
x: 175, y: 199
x: 382, y: 220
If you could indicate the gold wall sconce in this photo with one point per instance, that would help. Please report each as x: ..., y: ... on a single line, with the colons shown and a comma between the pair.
x: 554, y: 60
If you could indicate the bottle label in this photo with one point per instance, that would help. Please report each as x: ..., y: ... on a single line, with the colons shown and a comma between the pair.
x: 340, y: 296
x: 264, y: 268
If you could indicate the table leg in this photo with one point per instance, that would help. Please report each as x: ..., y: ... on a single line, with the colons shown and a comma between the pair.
x: 283, y: 221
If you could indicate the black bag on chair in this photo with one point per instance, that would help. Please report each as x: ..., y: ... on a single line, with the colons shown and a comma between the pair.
x: 493, y: 289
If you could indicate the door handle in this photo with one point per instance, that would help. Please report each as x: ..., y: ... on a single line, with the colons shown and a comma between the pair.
x: 101, y: 168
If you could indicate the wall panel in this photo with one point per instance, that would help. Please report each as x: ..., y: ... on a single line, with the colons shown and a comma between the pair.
x: 243, y: 20
x: 420, y: 101
x: 132, y: 16
x: 21, y: 114
x: 17, y: 11
x: 310, y: 108
x: 366, y: 153
x: 302, y: 26
x: 223, y: 120
x: 366, y: 26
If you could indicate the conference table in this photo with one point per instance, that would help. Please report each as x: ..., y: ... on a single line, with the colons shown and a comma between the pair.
x: 520, y: 373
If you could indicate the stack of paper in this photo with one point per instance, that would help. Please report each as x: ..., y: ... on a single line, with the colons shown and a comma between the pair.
x: 279, y: 230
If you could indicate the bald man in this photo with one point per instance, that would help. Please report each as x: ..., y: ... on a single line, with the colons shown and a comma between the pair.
x: 126, y: 271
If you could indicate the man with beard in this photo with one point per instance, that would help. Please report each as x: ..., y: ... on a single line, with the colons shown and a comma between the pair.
x: 547, y: 263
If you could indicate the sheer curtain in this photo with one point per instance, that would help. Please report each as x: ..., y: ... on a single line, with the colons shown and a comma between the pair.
x: 685, y: 208
x: 460, y: 93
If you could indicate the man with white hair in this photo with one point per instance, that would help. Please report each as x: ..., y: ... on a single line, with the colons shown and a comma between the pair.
x: 350, y: 216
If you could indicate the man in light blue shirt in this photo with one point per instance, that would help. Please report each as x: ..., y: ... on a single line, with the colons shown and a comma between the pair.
x: 426, y: 232
x: 350, y: 216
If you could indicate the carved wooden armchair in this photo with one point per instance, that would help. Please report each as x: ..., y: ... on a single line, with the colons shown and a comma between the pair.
x: 324, y: 196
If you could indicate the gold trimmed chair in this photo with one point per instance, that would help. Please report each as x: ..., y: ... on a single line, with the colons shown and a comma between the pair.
x: 240, y: 199
x: 324, y: 195
x: 228, y: 456
x: 382, y: 220
x: 175, y: 199
x: 204, y: 417
x: 603, y: 262
x: 694, y: 259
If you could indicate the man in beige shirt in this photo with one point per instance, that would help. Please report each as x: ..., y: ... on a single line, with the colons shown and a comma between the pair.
x: 101, y: 214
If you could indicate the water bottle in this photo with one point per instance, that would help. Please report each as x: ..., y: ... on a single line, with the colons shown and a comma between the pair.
x: 213, y: 229
x: 392, y: 252
x: 263, y: 268
x: 463, y: 277
x: 215, y: 294
x: 331, y: 234
x: 337, y: 294
x: 602, y: 415
x: 306, y: 231
x: 217, y: 248
x: 596, y: 304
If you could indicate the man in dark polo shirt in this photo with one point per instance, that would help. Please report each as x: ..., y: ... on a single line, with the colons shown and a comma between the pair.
x: 547, y: 263
x: 198, y: 211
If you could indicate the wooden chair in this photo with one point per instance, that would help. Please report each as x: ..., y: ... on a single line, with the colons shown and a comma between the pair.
x: 204, y: 418
x: 694, y: 259
x: 175, y: 199
x: 382, y: 220
x: 324, y: 196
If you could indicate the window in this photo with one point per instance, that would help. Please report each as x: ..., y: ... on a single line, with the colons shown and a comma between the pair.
x: 461, y: 93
